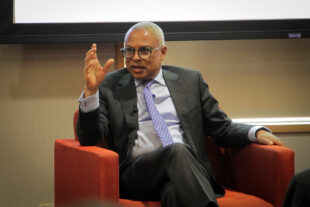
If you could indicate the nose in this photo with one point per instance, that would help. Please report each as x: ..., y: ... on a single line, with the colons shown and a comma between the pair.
x: 136, y: 56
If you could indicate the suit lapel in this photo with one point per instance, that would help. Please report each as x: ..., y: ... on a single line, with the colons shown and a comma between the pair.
x: 126, y: 93
x: 177, y: 92
x: 177, y: 88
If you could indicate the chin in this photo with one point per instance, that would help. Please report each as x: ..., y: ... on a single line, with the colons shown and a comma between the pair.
x: 139, y: 76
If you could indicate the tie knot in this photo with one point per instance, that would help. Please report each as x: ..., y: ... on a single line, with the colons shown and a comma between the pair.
x: 147, y: 83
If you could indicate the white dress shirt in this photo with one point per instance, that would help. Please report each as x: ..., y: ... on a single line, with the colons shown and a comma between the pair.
x: 148, y: 139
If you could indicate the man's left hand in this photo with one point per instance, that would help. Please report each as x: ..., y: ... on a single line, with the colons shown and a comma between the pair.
x: 267, y: 138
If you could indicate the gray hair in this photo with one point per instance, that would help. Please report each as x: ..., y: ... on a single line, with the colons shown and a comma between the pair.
x: 152, y: 28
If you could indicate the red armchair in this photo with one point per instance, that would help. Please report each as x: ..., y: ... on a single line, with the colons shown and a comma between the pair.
x: 255, y: 176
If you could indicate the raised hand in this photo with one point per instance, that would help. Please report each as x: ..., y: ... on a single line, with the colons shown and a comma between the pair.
x: 94, y: 73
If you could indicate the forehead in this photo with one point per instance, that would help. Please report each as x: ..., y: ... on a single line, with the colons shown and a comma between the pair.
x: 141, y: 38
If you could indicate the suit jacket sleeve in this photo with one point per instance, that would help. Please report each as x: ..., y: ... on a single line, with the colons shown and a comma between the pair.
x: 93, y: 126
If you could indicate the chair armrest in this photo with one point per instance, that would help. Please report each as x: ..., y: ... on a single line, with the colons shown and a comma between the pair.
x: 84, y: 172
x: 261, y: 170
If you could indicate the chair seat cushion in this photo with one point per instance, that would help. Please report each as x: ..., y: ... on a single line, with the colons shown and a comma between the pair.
x: 231, y: 199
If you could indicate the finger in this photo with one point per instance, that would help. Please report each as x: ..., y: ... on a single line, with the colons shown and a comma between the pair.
x: 279, y: 142
x: 265, y: 141
x: 94, y: 45
x: 95, y: 56
x: 91, y: 64
x: 90, y: 52
x: 107, y: 65
x: 264, y: 137
x: 102, y: 71
x: 273, y: 138
x: 88, y: 65
x: 92, y: 49
x: 89, y: 57
x: 276, y: 140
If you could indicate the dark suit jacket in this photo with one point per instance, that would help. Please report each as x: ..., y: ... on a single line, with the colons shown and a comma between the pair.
x: 117, y: 119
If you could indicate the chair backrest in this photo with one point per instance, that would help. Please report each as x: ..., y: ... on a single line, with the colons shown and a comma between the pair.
x: 216, y: 155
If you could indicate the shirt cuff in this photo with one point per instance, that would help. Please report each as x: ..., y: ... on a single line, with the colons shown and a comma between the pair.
x: 89, y: 103
x: 253, y: 131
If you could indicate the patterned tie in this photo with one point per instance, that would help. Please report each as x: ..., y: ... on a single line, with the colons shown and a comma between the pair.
x: 157, y: 119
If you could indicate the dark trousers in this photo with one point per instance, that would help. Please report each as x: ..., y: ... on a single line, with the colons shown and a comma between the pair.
x: 172, y: 174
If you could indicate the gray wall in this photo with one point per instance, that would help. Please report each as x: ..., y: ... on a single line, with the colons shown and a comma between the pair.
x: 40, y: 85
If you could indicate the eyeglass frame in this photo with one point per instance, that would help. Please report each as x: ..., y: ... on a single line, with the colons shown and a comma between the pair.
x: 125, y: 49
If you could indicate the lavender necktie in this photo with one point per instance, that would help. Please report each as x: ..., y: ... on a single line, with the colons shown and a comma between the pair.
x: 159, y: 123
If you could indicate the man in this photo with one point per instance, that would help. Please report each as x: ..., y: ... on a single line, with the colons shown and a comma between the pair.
x: 156, y: 118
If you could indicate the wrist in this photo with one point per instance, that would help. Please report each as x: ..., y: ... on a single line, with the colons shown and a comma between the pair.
x: 262, y: 130
x: 89, y: 92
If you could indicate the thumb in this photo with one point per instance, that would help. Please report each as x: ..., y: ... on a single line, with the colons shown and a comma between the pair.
x: 104, y: 70
x: 107, y: 65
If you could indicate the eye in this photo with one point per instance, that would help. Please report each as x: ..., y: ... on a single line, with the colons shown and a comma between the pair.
x: 130, y: 49
x: 144, y: 51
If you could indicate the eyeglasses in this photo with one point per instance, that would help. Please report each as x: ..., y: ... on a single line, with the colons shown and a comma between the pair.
x: 143, y: 52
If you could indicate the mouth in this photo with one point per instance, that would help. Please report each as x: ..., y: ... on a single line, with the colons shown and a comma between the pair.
x: 137, y: 68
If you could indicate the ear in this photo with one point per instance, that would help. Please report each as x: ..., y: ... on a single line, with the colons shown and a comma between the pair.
x: 163, y: 53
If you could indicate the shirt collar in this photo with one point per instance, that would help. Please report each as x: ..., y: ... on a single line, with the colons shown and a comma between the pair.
x: 159, y: 79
